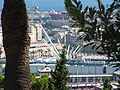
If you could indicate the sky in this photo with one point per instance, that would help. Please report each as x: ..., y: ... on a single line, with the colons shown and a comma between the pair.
x: 58, y: 5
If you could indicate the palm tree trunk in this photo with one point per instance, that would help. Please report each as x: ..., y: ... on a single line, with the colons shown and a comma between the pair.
x: 16, y: 44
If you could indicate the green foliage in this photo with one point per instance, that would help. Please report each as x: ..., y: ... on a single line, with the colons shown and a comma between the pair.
x: 33, y: 77
x: 51, y: 84
x: 101, y: 27
x: 1, y: 81
x: 106, y: 84
x: 60, y: 75
x: 42, y: 83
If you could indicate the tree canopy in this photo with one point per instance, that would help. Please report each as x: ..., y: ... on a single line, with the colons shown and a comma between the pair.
x: 101, y: 26
x: 42, y: 83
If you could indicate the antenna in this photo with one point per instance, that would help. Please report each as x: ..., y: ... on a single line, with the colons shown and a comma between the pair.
x: 34, y: 7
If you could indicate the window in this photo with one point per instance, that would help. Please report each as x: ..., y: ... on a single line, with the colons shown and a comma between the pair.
x: 90, y: 79
x: 103, y: 78
x: 83, y: 79
x: 70, y: 80
x: 74, y: 80
x: 97, y: 79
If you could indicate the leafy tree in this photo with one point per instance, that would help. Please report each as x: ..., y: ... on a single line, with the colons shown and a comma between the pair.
x: 106, y: 84
x: 42, y: 83
x: 101, y: 27
x: 33, y: 77
x: 60, y: 75
x: 16, y: 43
x: 1, y: 81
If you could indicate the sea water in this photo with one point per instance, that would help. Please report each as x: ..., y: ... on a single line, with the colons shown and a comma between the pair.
x: 76, y: 69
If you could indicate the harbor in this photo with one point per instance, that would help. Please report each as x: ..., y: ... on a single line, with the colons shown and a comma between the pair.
x: 50, y: 33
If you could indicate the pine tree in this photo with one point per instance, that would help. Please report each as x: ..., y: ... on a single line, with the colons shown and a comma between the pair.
x: 60, y: 75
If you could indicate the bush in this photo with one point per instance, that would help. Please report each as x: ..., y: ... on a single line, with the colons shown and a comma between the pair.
x: 42, y: 83
x: 1, y: 81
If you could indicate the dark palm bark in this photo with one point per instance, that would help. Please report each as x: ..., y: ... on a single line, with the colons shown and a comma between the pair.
x: 16, y: 44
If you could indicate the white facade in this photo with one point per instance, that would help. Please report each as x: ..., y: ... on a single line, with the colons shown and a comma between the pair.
x: 35, y: 32
x: 39, y: 32
x: 32, y: 34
